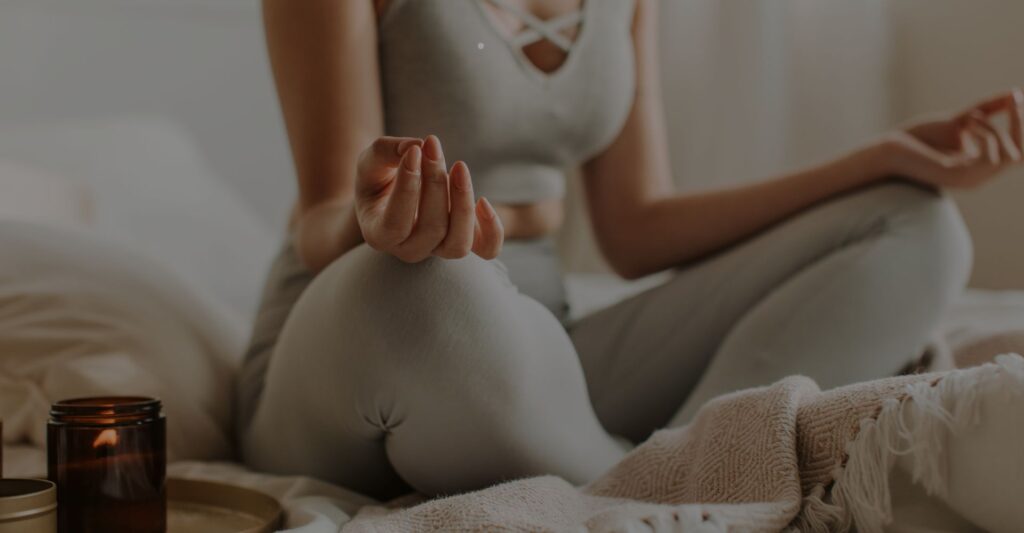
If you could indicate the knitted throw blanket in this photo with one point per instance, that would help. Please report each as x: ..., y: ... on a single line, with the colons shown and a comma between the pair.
x: 787, y: 456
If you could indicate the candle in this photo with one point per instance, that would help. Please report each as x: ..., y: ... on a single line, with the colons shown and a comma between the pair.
x: 108, y: 459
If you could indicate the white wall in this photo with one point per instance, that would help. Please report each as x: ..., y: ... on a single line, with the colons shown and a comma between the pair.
x: 754, y: 88
x: 757, y: 87
x: 200, y: 62
x: 947, y: 54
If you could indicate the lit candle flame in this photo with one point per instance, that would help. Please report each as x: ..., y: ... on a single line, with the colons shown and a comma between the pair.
x: 107, y: 437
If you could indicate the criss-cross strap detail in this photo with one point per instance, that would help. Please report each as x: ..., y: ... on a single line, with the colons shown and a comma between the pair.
x: 538, y: 29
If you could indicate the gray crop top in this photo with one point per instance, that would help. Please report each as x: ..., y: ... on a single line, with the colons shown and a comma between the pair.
x: 447, y: 70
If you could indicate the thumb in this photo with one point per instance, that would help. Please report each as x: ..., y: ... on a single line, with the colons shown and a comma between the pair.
x: 935, y: 158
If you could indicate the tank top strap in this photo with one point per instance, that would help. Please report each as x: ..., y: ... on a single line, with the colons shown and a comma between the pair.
x: 538, y: 29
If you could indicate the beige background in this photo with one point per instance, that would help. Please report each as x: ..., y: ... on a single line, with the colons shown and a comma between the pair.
x: 754, y: 88
x: 950, y: 51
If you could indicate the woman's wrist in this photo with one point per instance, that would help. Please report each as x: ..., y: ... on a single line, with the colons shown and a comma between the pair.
x: 884, y: 158
x: 351, y: 233
x: 324, y: 231
x: 873, y: 162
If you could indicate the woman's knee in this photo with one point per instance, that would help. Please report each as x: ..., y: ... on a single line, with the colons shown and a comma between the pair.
x: 424, y: 318
x: 928, y: 223
x: 385, y: 292
x: 372, y: 338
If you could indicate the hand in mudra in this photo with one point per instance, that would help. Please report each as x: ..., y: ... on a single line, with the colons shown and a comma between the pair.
x: 411, y: 206
x: 965, y: 149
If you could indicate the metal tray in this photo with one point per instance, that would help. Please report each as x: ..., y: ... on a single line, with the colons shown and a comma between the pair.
x: 219, y: 508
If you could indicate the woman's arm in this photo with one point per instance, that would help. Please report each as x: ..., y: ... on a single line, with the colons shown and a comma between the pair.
x: 642, y: 227
x: 354, y: 184
x: 324, y: 59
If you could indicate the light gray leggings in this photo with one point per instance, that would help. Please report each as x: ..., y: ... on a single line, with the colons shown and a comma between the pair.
x: 443, y: 377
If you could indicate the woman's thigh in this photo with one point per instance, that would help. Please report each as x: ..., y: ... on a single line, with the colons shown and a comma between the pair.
x: 439, y: 375
x: 830, y: 280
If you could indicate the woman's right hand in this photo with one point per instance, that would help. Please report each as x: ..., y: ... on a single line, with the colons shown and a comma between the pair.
x: 965, y: 149
x: 411, y: 206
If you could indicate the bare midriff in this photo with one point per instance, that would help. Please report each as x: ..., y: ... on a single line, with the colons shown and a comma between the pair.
x: 530, y: 221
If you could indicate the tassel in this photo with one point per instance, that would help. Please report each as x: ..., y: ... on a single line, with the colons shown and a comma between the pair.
x: 916, y: 428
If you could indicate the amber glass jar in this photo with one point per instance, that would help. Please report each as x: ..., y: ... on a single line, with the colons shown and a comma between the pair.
x: 108, y: 459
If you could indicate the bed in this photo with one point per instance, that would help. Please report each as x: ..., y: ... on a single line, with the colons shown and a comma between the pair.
x: 120, y: 187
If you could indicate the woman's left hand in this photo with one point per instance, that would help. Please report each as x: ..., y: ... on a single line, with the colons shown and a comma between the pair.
x: 961, y: 151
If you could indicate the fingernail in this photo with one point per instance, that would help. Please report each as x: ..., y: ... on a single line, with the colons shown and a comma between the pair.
x: 488, y: 209
x: 460, y: 177
x: 432, y: 148
x: 411, y: 161
x: 405, y: 145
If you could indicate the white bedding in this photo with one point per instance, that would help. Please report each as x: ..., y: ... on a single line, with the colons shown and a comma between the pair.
x: 83, y: 316
x: 152, y: 190
x: 317, y: 507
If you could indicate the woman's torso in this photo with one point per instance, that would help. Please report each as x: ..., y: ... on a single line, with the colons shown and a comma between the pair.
x: 448, y: 68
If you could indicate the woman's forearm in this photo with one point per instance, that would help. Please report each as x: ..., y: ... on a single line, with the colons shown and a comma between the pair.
x: 673, y: 230
x: 323, y: 54
x: 643, y: 227
x: 324, y: 60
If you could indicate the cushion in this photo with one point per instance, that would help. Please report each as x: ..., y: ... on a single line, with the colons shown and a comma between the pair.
x: 29, y: 194
x: 153, y: 191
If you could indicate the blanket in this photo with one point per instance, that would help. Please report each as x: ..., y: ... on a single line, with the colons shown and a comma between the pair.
x: 782, y: 457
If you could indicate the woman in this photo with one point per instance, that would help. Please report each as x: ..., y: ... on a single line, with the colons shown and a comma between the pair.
x: 392, y: 351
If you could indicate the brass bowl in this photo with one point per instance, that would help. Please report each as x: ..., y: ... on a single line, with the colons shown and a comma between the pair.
x: 28, y: 506
x: 219, y: 508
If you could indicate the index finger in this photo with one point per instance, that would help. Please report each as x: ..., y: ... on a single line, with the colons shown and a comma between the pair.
x: 998, y: 103
x: 1017, y: 118
x: 1013, y: 103
x: 388, y: 151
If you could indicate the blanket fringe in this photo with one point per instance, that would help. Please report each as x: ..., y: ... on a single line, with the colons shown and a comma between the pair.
x: 916, y: 426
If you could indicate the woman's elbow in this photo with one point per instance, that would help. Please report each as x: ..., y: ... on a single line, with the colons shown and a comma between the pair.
x: 627, y: 262
x: 623, y: 249
x: 631, y: 272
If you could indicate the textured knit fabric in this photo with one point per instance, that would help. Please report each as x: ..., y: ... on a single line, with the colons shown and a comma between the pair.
x: 764, y: 460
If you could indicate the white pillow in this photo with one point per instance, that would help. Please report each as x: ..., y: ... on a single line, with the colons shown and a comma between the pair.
x: 28, y: 194
x: 153, y: 191
x: 80, y: 316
